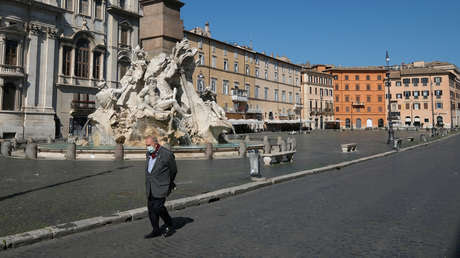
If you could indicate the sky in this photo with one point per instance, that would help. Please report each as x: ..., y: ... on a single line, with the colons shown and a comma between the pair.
x: 343, y: 32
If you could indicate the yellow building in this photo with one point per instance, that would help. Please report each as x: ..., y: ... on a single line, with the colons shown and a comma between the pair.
x: 248, y: 84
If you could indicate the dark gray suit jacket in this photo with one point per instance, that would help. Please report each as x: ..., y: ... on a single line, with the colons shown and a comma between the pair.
x: 161, y: 180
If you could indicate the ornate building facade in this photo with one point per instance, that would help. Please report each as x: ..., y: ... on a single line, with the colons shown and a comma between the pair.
x: 317, y: 93
x: 53, y: 55
x: 248, y: 84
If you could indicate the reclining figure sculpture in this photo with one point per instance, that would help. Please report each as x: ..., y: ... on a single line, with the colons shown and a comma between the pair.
x: 157, y: 97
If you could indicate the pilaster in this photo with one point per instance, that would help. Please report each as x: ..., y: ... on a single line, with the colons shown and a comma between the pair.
x: 47, y: 94
x: 34, y: 33
x: 2, y: 48
x: 1, y: 92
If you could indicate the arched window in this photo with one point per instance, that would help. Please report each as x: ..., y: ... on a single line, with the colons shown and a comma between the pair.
x: 82, y: 58
x: 9, y: 95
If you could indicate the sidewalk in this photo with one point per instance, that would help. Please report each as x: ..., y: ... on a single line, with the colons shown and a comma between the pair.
x: 35, y: 194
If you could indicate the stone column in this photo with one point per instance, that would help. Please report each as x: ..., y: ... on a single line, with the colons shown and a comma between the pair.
x: 20, y: 61
x: 31, y: 151
x: 61, y: 55
x: 2, y: 61
x: 34, y: 33
x: 72, y: 65
x: 119, y: 152
x: 2, y: 48
x: 1, y: 93
x: 18, y: 97
x: 209, y: 151
x: 71, y: 152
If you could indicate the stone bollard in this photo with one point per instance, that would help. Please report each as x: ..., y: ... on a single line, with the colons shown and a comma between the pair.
x: 267, y: 147
x: 31, y: 151
x: 71, y: 152
x: 242, y: 150
x: 397, y: 144
x: 254, y: 165
x: 209, y: 152
x: 423, y: 138
x: 282, y: 144
x: 119, y: 153
x: 6, y: 149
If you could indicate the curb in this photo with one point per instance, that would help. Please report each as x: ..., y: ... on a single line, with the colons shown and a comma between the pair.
x: 52, y: 232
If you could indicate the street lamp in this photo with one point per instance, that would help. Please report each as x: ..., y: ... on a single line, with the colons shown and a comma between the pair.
x: 388, y: 84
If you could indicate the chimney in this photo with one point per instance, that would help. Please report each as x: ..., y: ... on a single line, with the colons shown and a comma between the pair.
x: 207, y: 30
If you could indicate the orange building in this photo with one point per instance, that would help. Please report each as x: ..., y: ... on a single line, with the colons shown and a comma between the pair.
x: 359, y: 96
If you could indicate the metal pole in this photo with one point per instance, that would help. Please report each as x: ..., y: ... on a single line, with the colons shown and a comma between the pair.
x: 432, y: 107
x: 387, y: 84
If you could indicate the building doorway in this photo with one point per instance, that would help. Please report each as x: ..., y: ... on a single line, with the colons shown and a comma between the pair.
x: 358, y: 123
x: 369, y: 123
x: 439, y: 121
x: 9, y: 95
x: 408, y: 121
x: 347, y: 123
x: 417, y: 121
x: 380, y: 123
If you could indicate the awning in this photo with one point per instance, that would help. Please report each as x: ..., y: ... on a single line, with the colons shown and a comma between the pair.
x: 245, y: 121
x: 296, y: 121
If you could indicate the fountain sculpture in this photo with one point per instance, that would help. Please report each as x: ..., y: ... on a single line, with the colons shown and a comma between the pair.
x: 157, y: 97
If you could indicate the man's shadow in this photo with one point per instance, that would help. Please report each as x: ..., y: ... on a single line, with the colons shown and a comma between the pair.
x: 178, y: 223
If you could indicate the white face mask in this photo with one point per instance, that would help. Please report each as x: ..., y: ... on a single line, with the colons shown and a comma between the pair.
x: 150, y: 149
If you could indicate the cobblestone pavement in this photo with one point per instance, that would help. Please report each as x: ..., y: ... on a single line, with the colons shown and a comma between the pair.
x: 405, y: 205
x: 36, y: 194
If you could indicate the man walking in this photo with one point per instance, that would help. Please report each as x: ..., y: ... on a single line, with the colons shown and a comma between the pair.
x: 160, y: 173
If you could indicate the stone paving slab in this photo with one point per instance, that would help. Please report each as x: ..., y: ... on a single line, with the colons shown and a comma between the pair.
x: 47, y: 233
x: 35, y: 194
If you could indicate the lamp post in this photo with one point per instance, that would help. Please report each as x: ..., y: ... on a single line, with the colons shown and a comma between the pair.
x: 388, y: 84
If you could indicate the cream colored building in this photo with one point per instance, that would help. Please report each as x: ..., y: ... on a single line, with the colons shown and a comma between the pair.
x: 248, y: 84
x: 317, y: 98
x: 424, y: 97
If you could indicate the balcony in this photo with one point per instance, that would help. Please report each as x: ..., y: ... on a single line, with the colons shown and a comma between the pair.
x: 78, y: 81
x: 239, y: 95
x: 357, y: 104
x: 298, y: 106
x: 11, y: 70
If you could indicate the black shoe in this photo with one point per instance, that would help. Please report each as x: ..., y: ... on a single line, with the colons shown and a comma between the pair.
x: 153, y: 234
x: 168, y: 231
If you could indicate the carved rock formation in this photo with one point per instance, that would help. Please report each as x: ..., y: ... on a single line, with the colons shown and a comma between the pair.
x: 157, y: 97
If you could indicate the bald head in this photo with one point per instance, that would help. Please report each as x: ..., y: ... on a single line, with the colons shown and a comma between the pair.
x: 151, y: 140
